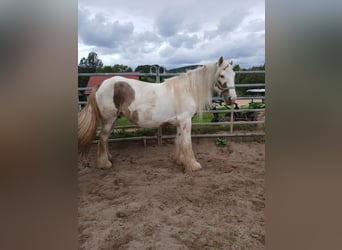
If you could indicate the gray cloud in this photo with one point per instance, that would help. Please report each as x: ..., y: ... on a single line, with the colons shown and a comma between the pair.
x: 246, y: 50
x: 168, y: 23
x: 255, y: 25
x: 147, y: 41
x: 98, y: 31
x: 233, y: 20
x: 227, y: 24
x: 173, y: 33
x: 184, y: 40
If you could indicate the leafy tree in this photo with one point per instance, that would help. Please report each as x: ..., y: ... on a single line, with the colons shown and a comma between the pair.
x: 143, y: 68
x: 249, y: 78
x: 122, y: 68
x: 88, y: 65
x: 147, y: 69
x: 116, y: 68
x: 92, y: 61
x: 236, y: 67
x: 105, y: 69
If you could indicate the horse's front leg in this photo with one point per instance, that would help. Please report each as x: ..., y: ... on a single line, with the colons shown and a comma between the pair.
x: 184, y: 152
x: 178, y: 142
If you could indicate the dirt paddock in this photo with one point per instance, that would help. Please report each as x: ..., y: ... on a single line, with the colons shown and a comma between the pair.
x: 146, y: 202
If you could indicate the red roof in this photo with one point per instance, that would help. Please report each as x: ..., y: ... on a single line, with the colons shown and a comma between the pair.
x: 96, y: 80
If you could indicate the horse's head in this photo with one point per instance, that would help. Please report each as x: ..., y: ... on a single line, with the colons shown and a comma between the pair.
x: 226, y: 81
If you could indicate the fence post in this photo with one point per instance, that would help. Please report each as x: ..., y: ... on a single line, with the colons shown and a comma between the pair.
x: 231, y: 120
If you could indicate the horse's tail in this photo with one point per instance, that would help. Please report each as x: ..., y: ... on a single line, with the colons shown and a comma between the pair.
x: 87, y: 123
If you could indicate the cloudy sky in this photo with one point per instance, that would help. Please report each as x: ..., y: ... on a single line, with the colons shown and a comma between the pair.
x: 172, y: 33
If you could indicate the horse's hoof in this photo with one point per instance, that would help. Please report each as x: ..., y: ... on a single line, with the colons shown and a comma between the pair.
x: 110, y: 158
x: 178, y: 162
x: 196, y: 166
x: 193, y: 167
x: 105, y: 166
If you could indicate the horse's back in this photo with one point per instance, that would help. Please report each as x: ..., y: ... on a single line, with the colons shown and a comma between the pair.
x: 115, y: 90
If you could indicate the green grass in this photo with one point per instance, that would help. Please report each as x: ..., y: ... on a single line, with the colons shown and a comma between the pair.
x: 206, y: 118
x: 123, y: 122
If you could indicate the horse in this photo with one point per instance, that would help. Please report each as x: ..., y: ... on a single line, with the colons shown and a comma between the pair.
x: 174, y: 101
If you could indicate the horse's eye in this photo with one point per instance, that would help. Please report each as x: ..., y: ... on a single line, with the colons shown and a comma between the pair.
x: 222, y: 76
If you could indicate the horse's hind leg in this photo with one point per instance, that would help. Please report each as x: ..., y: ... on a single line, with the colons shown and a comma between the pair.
x: 104, y: 158
x: 84, y: 159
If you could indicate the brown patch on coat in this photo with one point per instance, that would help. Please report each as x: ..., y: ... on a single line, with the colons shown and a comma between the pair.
x: 124, y: 95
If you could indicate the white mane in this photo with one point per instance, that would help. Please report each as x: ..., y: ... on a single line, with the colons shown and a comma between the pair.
x: 198, y: 83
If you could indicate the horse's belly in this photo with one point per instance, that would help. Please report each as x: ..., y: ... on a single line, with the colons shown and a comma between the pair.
x: 152, y: 112
x: 147, y: 120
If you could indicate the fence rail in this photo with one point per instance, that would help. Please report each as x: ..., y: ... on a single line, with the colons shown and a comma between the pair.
x: 230, y: 124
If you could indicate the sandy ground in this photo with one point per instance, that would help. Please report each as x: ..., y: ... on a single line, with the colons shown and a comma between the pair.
x: 146, y: 202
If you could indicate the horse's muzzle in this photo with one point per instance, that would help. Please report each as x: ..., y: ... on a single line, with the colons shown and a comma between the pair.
x: 229, y: 100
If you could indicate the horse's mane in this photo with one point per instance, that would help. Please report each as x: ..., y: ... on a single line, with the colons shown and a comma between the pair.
x: 198, y: 83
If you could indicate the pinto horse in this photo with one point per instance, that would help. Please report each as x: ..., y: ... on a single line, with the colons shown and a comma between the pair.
x: 175, y: 101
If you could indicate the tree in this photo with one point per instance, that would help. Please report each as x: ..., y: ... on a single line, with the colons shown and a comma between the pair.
x: 116, y: 68
x: 88, y: 65
x: 147, y: 69
x: 249, y: 78
x: 143, y: 68
x: 236, y: 67
x: 92, y: 61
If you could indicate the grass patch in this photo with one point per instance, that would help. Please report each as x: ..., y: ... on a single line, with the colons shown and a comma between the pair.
x: 122, y: 121
x: 221, y: 142
x: 205, y: 118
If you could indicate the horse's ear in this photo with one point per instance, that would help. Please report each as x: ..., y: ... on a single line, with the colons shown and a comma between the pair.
x: 231, y: 62
x: 220, y: 61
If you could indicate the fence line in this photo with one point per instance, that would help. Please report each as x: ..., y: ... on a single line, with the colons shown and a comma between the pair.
x: 159, y: 136
x: 160, y: 74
